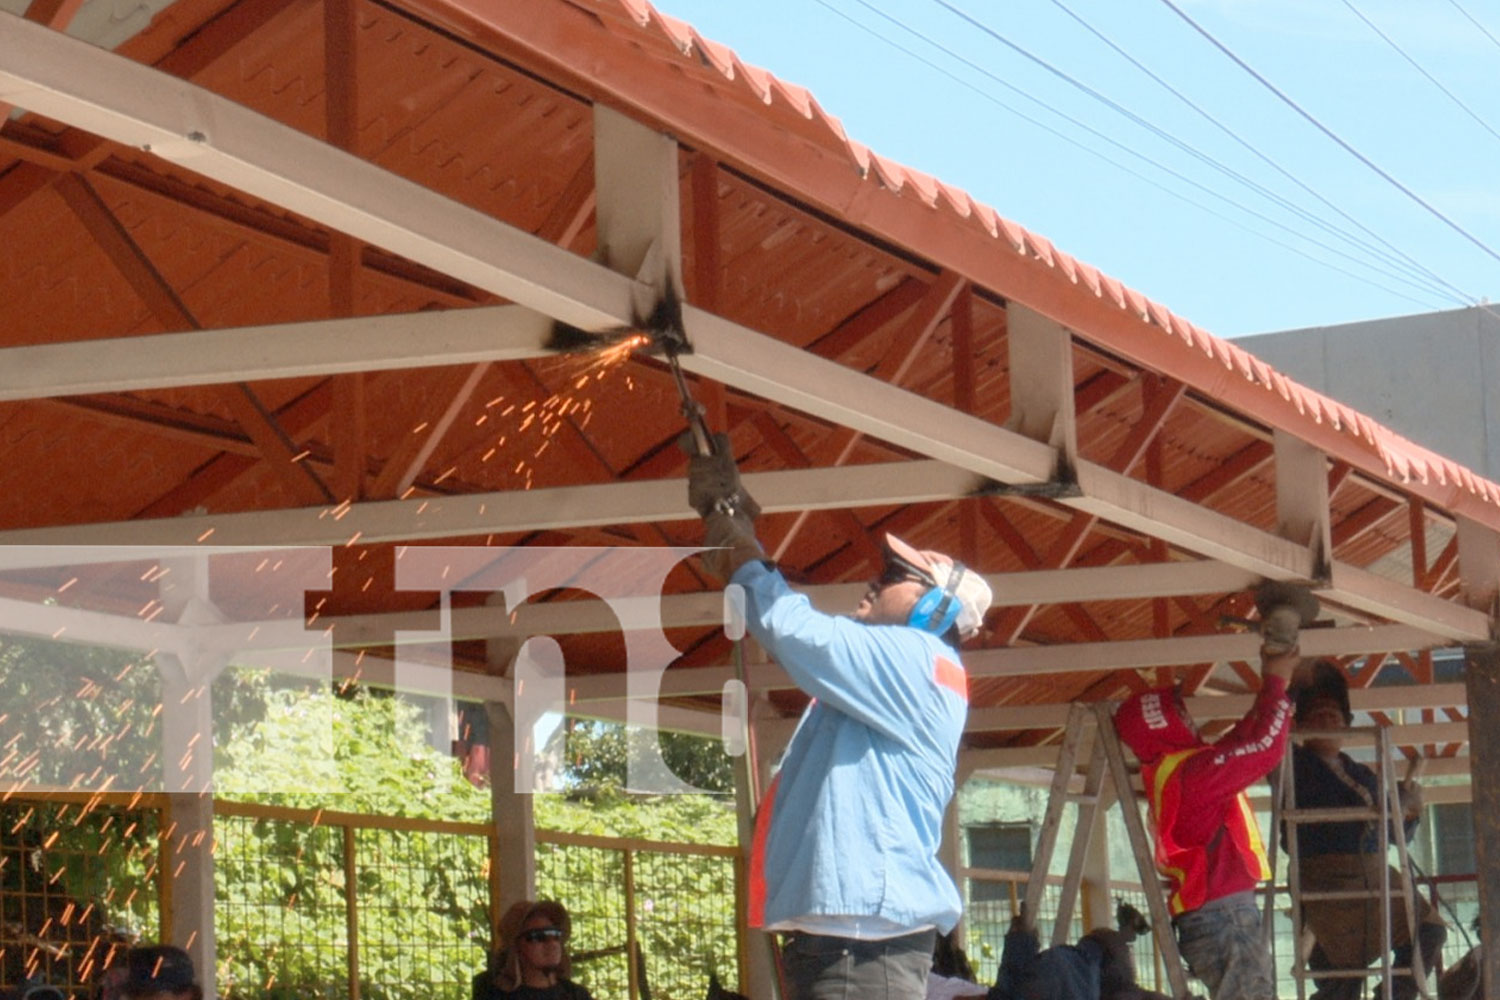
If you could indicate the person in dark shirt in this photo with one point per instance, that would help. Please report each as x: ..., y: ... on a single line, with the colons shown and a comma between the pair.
x: 1346, y: 855
x: 1098, y: 967
x: 532, y: 962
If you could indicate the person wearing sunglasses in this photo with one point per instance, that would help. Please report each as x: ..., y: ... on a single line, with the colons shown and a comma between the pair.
x: 844, y: 859
x: 532, y: 961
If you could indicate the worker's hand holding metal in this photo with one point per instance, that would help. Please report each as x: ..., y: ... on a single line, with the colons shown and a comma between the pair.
x: 730, y: 538
x: 714, y: 483
x: 1281, y: 663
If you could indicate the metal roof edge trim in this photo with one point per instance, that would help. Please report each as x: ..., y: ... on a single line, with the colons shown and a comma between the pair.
x: 898, y: 204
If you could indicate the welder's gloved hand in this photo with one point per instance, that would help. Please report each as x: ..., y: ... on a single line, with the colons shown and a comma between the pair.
x: 731, y: 542
x: 714, y: 482
x: 1285, y: 609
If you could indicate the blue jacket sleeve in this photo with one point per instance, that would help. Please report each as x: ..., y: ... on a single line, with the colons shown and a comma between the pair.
x: 882, y: 675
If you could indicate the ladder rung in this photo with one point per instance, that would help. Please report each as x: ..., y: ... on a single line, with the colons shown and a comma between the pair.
x: 1333, y: 894
x: 1374, y: 970
x: 1333, y: 814
x: 1083, y: 800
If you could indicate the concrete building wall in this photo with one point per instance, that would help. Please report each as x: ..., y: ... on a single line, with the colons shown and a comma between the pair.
x: 1434, y: 377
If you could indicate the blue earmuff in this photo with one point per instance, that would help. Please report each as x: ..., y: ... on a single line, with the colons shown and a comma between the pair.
x: 938, y: 609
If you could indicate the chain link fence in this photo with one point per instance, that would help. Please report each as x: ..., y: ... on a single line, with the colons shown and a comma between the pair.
x: 312, y: 904
x: 78, y: 883
x: 325, y: 905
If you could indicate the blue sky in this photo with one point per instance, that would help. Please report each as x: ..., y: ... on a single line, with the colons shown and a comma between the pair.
x: 1234, y: 257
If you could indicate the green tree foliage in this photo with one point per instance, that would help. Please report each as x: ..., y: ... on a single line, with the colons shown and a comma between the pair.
x: 281, y: 889
x: 281, y: 885
x: 76, y: 716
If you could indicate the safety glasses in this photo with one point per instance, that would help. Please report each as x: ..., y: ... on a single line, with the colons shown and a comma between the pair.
x: 540, y: 934
x: 897, y: 570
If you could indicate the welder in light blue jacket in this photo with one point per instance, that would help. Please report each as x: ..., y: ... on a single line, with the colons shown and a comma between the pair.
x: 844, y: 862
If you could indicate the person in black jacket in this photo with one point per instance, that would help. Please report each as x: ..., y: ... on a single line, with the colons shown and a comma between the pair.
x: 1346, y: 855
x: 532, y: 961
x: 1098, y: 967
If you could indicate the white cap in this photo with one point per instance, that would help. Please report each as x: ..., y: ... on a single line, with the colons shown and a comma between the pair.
x: 972, y: 593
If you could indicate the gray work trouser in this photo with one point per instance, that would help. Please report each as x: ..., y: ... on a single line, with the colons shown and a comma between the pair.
x: 820, y: 967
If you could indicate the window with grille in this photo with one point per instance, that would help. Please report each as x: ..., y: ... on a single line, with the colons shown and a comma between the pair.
x: 1453, y: 838
x: 1005, y: 846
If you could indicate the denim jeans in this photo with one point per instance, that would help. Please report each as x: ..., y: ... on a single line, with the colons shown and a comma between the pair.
x: 819, y: 967
x: 1223, y: 946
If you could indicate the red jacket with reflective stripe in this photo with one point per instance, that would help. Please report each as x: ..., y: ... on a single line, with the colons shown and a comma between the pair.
x: 1208, y: 842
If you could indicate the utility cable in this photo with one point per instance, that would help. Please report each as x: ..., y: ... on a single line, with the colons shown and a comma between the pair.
x: 1485, y: 31
x: 1132, y: 152
x: 1362, y: 158
x: 1159, y: 132
x: 1420, y: 69
x: 1416, y: 266
x: 1432, y: 288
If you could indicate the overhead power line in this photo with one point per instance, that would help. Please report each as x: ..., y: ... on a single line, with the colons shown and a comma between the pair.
x: 1433, y: 281
x: 1362, y: 158
x: 1485, y: 31
x: 1416, y: 266
x: 1420, y: 69
x: 1172, y: 191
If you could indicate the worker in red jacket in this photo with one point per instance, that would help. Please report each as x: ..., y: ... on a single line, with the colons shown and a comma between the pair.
x: 1208, y: 843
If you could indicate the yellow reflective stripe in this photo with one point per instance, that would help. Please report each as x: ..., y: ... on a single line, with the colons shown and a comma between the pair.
x: 1164, y: 771
x: 1252, y: 830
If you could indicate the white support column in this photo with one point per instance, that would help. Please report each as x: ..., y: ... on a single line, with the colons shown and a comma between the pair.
x: 1094, y: 889
x: 769, y: 739
x: 187, y: 855
x: 1041, y: 382
x: 1302, y: 499
x: 515, y: 826
x: 187, y: 768
x: 951, y: 852
x: 511, y: 810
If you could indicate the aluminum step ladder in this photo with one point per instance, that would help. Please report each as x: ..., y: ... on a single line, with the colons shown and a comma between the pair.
x: 1105, y: 754
x: 1287, y: 816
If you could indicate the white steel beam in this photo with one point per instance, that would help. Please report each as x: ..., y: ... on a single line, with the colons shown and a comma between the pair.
x: 1029, y: 661
x: 638, y: 208
x: 1005, y: 758
x: 1365, y: 591
x: 1021, y: 661
x: 706, y: 609
x: 1479, y: 566
x: 1432, y: 794
x: 1133, y: 504
x: 1202, y: 708
x: 90, y: 628
x: 52, y: 74
x: 111, y: 96
x: 779, y: 371
x: 1041, y: 380
x: 284, y: 350
x: 1302, y: 495
x: 518, y: 510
